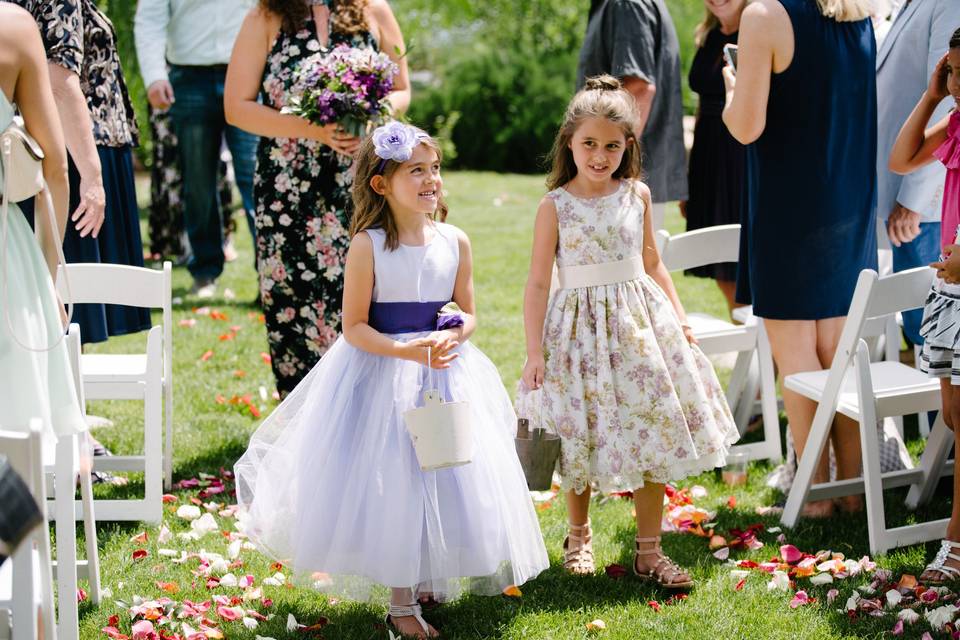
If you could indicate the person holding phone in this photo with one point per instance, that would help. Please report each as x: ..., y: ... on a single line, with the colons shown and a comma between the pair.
x: 716, y: 169
x: 804, y: 99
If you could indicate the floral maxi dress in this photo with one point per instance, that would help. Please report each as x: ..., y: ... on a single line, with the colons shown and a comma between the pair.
x: 630, y: 398
x: 302, y: 194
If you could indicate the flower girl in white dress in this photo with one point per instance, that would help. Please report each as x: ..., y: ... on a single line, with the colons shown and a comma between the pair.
x: 330, y: 481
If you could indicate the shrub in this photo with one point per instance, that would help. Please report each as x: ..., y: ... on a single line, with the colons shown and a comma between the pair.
x: 509, y: 103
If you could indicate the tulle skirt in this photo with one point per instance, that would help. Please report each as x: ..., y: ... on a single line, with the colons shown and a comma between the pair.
x: 331, y: 484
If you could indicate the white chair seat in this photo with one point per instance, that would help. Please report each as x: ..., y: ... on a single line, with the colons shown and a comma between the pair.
x: 716, y: 335
x: 109, y: 367
x: 890, y: 380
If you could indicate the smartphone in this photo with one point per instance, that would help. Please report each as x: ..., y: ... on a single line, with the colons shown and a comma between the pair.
x: 730, y: 55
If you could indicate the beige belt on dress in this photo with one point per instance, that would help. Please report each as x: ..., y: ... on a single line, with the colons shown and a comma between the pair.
x: 597, y: 275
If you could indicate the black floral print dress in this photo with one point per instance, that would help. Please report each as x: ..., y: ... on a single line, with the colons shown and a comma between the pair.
x: 302, y: 193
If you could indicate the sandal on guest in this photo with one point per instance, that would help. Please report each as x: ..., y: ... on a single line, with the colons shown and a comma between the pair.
x: 578, y: 550
x: 665, y: 572
x: 946, y: 573
x: 411, y: 610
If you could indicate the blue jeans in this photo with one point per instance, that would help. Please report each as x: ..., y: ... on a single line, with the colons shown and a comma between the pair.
x: 200, y: 125
x: 919, y: 252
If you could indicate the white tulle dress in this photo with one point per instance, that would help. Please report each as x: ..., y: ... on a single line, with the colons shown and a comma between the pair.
x: 330, y: 481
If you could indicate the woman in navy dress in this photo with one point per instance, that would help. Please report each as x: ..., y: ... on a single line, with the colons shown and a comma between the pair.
x: 804, y: 99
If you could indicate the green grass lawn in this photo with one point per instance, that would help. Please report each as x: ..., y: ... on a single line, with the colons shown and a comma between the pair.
x: 497, y: 213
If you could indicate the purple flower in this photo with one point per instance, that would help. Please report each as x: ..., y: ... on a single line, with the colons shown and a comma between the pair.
x: 395, y: 141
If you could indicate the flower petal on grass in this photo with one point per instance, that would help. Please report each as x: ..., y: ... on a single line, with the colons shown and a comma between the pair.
x: 188, y: 512
x: 596, y: 625
x: 615, y: 571
x: 790, y: 554
x: 139, y: 554
x: 722, y: 554
x: 897, y: 628
x: 512, y: 591
x: 206, y: 355
x: 799, y: 599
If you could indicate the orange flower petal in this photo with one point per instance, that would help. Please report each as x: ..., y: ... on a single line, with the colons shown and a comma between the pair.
x: 206, y: 355
x: 512, y: 591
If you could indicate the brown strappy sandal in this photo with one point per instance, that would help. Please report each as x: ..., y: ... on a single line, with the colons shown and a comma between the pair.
x: 665, y: 572
x: 578, y: 550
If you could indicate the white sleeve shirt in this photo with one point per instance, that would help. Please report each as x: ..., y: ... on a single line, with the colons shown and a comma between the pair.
x: 186, y: 32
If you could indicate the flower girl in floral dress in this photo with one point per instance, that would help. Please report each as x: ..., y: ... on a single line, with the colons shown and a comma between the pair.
x: 633, y: 399
x: 330, y: 481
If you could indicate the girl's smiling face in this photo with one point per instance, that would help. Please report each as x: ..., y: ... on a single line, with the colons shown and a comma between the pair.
x: 597, y: 146
x: 415, y: 185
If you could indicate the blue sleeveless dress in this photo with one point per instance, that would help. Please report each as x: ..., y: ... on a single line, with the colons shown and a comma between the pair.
x: 808, y: 221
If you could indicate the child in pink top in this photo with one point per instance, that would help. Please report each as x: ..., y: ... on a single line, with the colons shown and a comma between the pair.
x: 940, y: 328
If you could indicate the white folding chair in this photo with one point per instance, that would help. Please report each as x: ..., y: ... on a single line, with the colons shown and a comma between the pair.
x: 26, y: 583
x: 866, y: 392
x: 716, y: 335
x: 141, y: 376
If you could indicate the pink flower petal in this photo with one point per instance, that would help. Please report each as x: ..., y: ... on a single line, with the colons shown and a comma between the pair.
x: 790, y: 554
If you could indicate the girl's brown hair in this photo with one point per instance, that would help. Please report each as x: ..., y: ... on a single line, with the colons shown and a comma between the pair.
x: 346, y: 15
x: 370, y: 209
x: 601, y: 97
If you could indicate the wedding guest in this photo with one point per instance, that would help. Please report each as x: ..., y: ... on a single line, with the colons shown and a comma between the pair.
x: 909, y: 206
x: 636, y: 42
x: 304, y: 171
x: 804, y: 98
x: 100, y: 130
x: 195, y: 37
x: 717, y: 160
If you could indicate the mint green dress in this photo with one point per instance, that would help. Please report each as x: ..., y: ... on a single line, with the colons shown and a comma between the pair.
x: 36, y: 384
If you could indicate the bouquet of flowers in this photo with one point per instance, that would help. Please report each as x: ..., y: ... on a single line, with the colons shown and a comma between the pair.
x: 346, y: 85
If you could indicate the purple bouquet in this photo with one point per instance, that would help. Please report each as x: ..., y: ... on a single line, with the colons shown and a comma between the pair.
x: 346, y: 85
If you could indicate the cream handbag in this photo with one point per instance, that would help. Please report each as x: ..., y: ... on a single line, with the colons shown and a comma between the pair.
x: 22, y: 160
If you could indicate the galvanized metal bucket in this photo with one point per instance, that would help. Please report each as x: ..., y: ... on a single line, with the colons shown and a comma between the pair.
x: 538, y: 452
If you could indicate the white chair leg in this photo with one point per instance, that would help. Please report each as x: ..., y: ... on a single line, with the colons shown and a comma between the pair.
x: 747, y: 402
x: 870, y: 452
x: 807, y: 463
x: 768, y: 397
x: 24, y: 606
x: 153, y: 436
x: 738, y: 385
x: 89, y: 524
x: 65, y: 487
x: 931, y: 462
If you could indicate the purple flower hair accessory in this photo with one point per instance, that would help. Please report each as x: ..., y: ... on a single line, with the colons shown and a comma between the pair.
x: 395, y: 141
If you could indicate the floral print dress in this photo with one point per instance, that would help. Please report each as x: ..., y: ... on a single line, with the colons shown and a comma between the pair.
x: 630, y: 398
x: 302, y: 194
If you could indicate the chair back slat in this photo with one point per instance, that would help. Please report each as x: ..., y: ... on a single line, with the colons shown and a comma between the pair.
x: 115, y: 284
x: 901, y: 291
x: 700, y: 247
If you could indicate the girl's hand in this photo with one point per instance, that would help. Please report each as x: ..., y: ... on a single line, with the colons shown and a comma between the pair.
x: 533, y: 370
x: 334, y: 137
x: 418, y: 349
x: 688, y: 334
x: 444, y: 341
x: 949, y: 268
x: 937, y: 89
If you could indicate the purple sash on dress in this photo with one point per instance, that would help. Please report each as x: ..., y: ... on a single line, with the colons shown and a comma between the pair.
x: 404, y: 317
